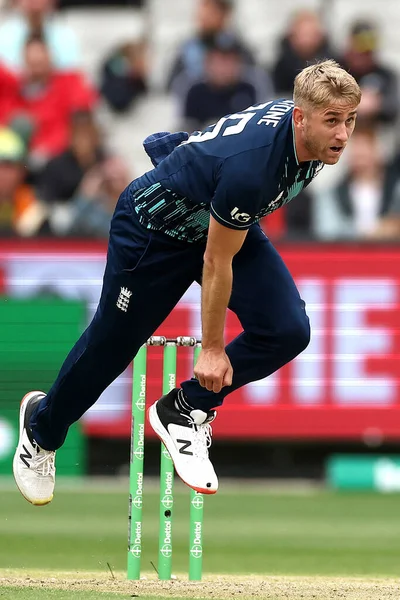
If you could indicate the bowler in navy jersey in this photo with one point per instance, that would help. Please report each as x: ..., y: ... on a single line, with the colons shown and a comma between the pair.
x: 195, y: 217
x: 238, y: 170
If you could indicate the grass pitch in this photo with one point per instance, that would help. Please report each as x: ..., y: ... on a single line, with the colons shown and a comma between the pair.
x: 305, y: 544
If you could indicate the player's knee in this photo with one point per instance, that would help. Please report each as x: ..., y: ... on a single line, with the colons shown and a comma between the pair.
x: 291, y: 336
x: 296, y: 334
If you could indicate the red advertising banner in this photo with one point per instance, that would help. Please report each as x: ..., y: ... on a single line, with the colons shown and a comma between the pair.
x: 346, y: 385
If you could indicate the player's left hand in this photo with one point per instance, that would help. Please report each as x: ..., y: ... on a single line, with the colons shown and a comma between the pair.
x: 213, y: 370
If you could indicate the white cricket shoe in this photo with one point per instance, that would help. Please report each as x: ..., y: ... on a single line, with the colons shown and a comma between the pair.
x: 33, y: 467
x: 187, y: 438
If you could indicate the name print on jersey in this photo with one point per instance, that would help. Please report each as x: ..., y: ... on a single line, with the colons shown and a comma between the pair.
x: 275, y: 113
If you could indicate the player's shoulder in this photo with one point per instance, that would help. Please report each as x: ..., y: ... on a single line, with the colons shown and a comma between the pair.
x: 266, y: 131
x: 272, y: 118
x: 244, y: 136
x: 276, y: 113
x: 265, y: 125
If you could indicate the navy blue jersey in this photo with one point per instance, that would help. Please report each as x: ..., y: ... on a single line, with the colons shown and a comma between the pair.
x: 239, y: 169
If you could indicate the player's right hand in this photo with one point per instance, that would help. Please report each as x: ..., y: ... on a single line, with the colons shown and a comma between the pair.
x: 213, y: 369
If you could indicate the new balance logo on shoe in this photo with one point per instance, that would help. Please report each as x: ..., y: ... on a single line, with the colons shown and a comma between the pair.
x: 186, y: 434
x: 186, y: 444
x: 26, y: 456
x: 123, y: 299
x: 33, y: 467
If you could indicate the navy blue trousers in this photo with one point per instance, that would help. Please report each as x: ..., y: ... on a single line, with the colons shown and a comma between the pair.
x: 158, y: 270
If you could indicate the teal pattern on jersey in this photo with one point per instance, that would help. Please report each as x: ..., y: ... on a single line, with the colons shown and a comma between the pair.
x: 175, y: 215
x: 160, y: 209
x: 289, y: 188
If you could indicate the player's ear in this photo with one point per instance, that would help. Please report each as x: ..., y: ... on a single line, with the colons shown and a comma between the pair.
x: 298, y: 117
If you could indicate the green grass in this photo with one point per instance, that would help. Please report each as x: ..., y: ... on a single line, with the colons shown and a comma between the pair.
x: 247, y: 530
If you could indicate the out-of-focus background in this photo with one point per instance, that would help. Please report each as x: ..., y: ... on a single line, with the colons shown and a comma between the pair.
x: 82, y: 83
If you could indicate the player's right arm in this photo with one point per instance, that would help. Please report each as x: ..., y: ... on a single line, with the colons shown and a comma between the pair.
x: 213, y: 369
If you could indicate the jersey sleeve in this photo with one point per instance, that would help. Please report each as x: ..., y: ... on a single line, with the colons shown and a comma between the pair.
x: 238, y: 195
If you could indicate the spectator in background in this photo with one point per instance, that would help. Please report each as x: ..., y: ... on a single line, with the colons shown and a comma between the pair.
x: 229, y: 86
x: 46, y: 98
x: 212, y: 19
x: 82, y: 181
x: 34, y: 17
x: 96, y: 3
x: 353, y: 209
x: 64, y: 173
x: 388, y: 226
x: 298, y: 217
x: 124, y: 76
x: 8, y: 92
x: 292, y: 222
x: 21, y: 213
x: 304, y: 42
x: 379, y: 85
x: 93, y: 206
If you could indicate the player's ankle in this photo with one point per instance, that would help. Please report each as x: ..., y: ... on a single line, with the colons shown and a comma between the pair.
x: 182, y: 404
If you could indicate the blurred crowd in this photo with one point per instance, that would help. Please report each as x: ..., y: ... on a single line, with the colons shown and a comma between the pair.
x: 59, y: 176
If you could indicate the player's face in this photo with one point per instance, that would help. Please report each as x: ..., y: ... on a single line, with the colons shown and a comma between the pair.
x: 326, y: 131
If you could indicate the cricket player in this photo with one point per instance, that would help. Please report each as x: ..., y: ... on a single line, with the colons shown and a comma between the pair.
x: 195, y: 217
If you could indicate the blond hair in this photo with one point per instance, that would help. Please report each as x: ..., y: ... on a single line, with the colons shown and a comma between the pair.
x: 323, y: 82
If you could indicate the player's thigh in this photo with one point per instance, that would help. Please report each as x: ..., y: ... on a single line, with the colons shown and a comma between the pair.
x: 140, y: 291
x: 264, y: 294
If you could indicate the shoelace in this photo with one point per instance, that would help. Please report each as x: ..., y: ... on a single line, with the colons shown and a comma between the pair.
x: 43, y: 462
x: 202, y: 439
